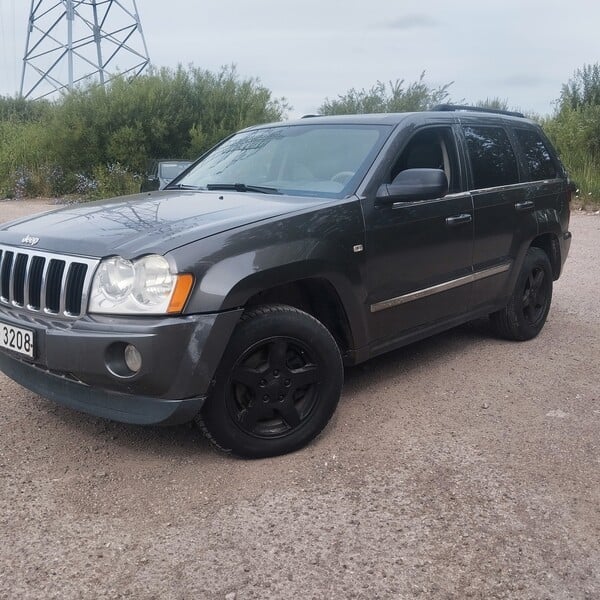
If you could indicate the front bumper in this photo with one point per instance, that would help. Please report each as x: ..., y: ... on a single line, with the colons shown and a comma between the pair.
x: 74, y: 363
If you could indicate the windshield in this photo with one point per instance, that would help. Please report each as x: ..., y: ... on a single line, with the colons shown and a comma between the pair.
x: 170, y: 170
x: 308, y: 160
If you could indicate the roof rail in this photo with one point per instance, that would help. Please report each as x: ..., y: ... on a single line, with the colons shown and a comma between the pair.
x: 310, y: 116
x: 457, y: 107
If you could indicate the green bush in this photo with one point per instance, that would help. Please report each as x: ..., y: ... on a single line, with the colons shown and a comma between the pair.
x: 113, y: 180
x: 157, y: 116
x: 96, y: 141
x: 575, y: 131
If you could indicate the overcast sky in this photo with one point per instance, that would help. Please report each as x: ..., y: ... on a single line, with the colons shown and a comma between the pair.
x: 308, y: 50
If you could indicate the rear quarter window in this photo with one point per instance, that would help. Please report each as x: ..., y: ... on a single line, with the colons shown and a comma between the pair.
x: 538, y: 159
x: 493, y: 160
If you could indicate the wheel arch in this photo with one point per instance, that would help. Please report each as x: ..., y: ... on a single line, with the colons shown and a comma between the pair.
x: 316, y: 296
x: 549, y: 243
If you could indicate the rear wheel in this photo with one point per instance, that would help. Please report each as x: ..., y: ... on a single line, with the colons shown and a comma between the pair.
x: 526, y: 312
x: 277, y: 386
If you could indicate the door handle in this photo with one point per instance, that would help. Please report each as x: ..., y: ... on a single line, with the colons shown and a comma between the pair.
x: 523, y: 206
x: 458, y: 220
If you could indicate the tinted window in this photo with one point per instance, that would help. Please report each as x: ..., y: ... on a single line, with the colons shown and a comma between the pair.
x: 170, y: 170
x: 492, y: 157
x: 538, y: 159
x: 432, y: 148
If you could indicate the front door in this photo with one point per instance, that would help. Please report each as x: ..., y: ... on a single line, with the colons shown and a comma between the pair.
x: 419, y: 254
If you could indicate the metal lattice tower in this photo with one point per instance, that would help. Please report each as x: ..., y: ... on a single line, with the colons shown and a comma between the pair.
x: 89, y: 39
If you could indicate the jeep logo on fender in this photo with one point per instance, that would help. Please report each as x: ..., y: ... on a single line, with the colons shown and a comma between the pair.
x: 30, y: 240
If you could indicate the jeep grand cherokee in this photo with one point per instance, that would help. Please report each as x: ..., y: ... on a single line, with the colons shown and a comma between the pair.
x: 235, y: 296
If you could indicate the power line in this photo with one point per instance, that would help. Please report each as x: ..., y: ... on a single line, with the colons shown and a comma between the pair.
x: 94, y: 39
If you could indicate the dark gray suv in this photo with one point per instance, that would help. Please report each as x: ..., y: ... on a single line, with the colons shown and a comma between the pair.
x: 236, y: 296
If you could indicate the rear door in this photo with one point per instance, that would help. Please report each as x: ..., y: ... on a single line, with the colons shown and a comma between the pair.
x: 546, y: 183
x: 504, y: 215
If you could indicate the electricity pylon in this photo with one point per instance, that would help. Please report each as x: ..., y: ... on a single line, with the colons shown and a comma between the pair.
x: 90, y: 39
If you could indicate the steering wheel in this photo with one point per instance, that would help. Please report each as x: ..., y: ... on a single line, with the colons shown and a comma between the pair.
x: 342, y: 177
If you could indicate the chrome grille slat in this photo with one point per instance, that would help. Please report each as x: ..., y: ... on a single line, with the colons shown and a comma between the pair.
x: 45, y: 282
x: 11, y: 279
x: 63, y: 286
x: 3, y: 256
x: 27, y: 281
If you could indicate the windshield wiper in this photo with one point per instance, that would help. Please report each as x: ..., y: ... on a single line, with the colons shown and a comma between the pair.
x: 180, y: 186
x: 242, y: 187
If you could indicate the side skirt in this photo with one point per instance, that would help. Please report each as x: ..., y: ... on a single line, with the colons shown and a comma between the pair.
x: 376, y: 348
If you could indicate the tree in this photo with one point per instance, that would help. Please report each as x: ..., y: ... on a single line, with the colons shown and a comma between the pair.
x: 21, y: 110
x: 168, y: 113
x: 495, y: 103
x: 583, y: 89
x: 115, y: 129
x: 394, y: 96
x: 575, y: 129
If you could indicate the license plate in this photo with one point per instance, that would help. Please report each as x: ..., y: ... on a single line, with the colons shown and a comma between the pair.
x: 16, y: 339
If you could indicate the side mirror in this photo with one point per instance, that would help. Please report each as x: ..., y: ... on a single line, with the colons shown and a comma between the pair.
x: 150, y: 184
x: 413, y: 185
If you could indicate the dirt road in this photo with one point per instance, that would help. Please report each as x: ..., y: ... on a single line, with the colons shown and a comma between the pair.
x: 459, y: 467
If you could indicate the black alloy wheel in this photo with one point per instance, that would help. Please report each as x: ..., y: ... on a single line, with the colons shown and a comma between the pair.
x: 277, y: 386
x: 535, y: 297
x: 273, y: 387
x: 527, y: 309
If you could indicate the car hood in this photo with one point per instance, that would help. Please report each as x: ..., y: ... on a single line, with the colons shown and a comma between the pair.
x: 144, y: 223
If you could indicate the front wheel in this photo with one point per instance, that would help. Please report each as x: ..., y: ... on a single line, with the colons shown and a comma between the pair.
x: 277, y: 386
x: 526, y: 312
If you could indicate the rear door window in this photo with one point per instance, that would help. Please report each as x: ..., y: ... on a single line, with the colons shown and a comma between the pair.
x: 538, y: 160
x: 493, y: 160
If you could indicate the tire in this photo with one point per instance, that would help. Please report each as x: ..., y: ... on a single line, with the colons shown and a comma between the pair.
x: 277, y: 386
x: 526, y: 312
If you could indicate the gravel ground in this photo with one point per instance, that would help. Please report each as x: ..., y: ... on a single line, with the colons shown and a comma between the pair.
x: 459, y: 467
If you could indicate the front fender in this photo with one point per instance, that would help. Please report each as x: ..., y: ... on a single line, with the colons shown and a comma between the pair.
x: 236, y: 265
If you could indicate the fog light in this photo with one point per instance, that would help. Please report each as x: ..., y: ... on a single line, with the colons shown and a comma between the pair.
x: 133, y: 358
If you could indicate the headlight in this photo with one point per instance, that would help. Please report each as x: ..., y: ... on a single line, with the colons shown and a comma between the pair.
x: 115, y: 277
x: 153, y: 281
x: 143, y: 286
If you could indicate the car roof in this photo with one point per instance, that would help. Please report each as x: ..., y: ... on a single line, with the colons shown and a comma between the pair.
x: 395, y: 118
x: 361, y: 119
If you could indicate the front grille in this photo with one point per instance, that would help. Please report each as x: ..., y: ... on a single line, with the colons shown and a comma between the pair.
x: 42, y: 282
